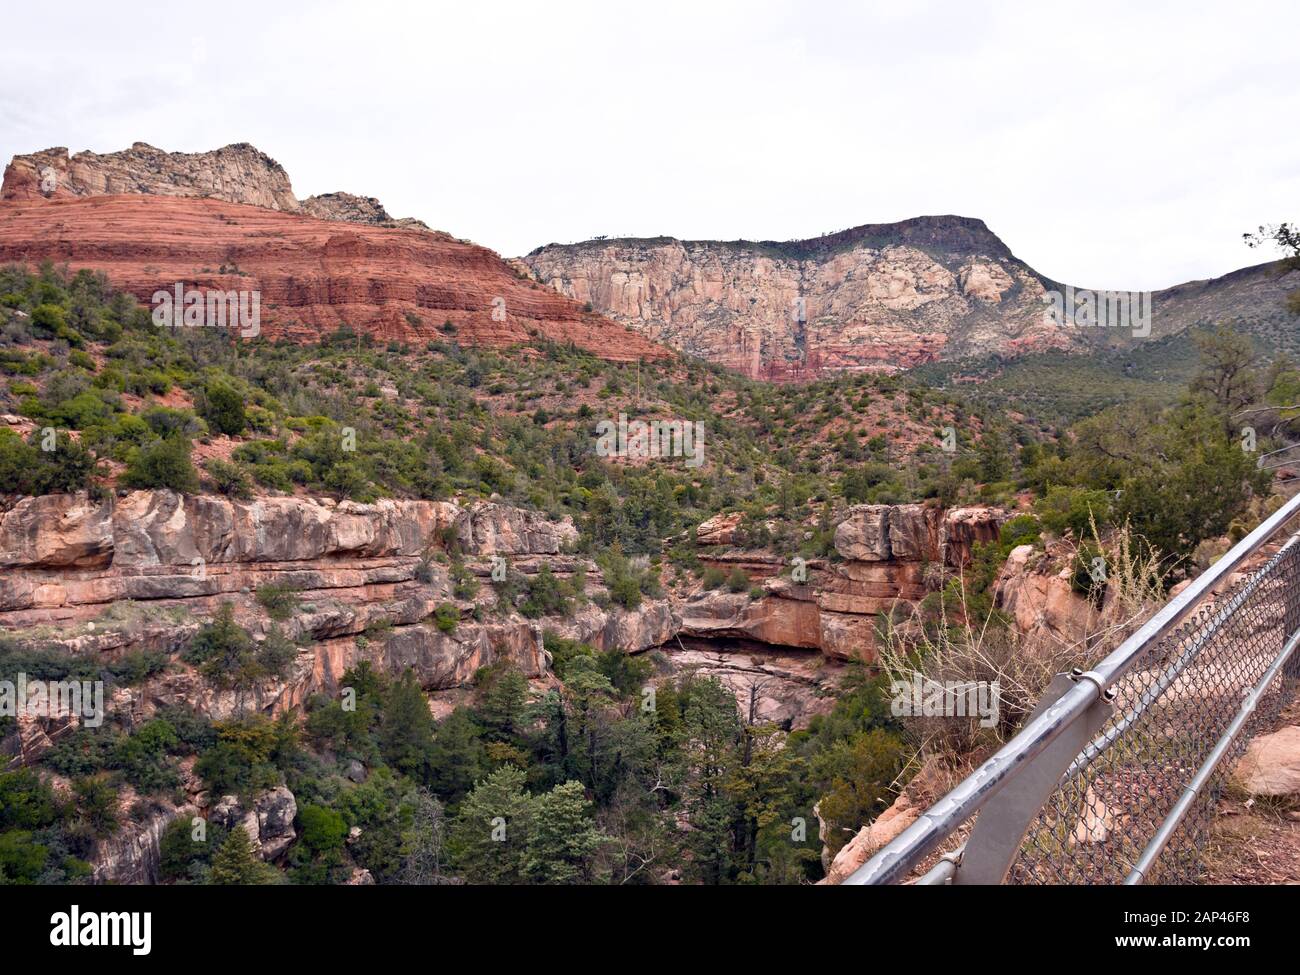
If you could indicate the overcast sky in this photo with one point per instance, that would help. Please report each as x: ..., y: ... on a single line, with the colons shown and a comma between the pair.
x: 1107, y: 146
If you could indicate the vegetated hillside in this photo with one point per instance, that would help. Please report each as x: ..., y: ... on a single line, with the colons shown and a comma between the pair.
x: 550, y: 731
x: 134, y: 406
x: 311, y: 276
x: 176, y: 408
x: 1054, y: 389
x: 438, y: 418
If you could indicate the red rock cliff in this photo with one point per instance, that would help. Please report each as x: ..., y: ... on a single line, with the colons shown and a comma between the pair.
x: 314, y: 275
x: 229, y: 220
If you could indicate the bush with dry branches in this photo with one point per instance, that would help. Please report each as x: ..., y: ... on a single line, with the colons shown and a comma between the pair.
x: 962, y: 650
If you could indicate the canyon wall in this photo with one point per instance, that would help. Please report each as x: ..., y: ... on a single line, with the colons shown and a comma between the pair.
x: 228, y: 220
x: 238, y: 173
x: 899, y: 296
x: 875, y: 298
x: 890, y: 556
x: 142, y: 571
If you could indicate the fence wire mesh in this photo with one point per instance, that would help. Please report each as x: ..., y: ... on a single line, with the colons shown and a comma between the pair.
x: 1171, y: 708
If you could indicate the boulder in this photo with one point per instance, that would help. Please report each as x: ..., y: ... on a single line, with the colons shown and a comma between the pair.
x: 268, y: 821
x: 1271, y: 765
x: 917, y: 796
x: 718, y: 530
x: 488, y: 528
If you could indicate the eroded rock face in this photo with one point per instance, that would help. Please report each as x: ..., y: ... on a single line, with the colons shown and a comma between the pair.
x: 651, y: 624
x: 62, y: 552
x: 353, y: 567
x: 781, y: 687
x: 915, y: 533
x: 787, y: 622
x: 131, y: 854
x: 718, y: 530
x: 445, y: 660
x: 486, y: 528
x: 56, y: 531
x: 879, y: 297
x: 33, y: 736
x: 885, y: 551
x: 228, y: 220
x: 1036, y: 592
x: 238, y: 173
x: 268, y: 820
x: 355, y: 209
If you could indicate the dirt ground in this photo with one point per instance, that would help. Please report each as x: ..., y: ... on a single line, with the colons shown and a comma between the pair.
x: 1256, y: 841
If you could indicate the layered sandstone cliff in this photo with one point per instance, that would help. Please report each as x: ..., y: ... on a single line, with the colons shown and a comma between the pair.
x: 143, y: 571
x: 238, y: 173
x: 880, y: 297
x: 877, y: 298
x: 314, y: 276
x: 228, y: 220
x: 891, y: 556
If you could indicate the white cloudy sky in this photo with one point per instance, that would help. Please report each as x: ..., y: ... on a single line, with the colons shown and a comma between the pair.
x: 1107, y: 146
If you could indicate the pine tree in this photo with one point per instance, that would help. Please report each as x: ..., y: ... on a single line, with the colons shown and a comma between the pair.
x: 562, y: 837
x: 406, y: 732
x: 490, y: 834
x: 235, y: 863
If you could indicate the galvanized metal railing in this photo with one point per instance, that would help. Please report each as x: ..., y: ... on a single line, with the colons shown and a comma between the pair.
x: 1113, y: 778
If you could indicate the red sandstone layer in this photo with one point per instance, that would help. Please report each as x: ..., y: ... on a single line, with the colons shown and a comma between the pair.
x: 314, y: 276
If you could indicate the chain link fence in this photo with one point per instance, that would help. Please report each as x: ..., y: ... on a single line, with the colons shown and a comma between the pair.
x: 1170, y: 711
x: 1116, y: 776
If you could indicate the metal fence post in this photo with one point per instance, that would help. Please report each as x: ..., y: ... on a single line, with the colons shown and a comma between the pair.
x: 998, y: 832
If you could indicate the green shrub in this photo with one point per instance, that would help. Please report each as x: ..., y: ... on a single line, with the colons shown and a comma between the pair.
x: 229, y: 479
x: 714, y: 577
x: 1073, y: 509
x: 322, y: 829
x: 162, y: 464
x: 222, y: 405
x: 280, y: 602
x: 25, y: 468
x: 738, y: 581
x: 446, y: 617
